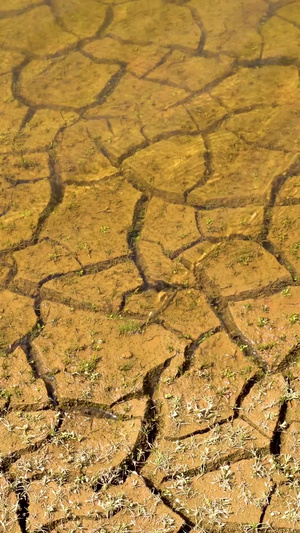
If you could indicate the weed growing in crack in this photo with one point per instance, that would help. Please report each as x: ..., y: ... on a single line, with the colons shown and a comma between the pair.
x: 290, y: 467
x: 267, y: 346
x: 244, y: 348
x: 289, y: 395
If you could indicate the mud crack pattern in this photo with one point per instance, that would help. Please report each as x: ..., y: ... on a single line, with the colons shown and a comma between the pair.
x: 149, y: 264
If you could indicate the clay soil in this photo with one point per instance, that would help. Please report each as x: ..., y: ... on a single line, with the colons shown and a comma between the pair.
x: 149, y: 266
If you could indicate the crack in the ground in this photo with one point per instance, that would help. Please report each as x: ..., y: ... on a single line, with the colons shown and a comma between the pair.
x: 220, y: 308
x: 8, y: 460
x: 34, y: 365
x: 291, y: 357
x: 212, y: 466
x: 168, y: 503
x: 208, y: 168
x: 275, y: 444
x: 56, y: 197
x: 160, y: 62
x: 191, y: 348
x: 141, y: 450
x: 10, y: 13
x: 138, y: 456
x: 265, y: 507
x: 135, y: 231
x: 23, y: 507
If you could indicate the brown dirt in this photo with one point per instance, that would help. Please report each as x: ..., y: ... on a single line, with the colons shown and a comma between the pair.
x: 149, y: 266
x: 73, y: 223
x: 271, y: 322
x: 22, y: 209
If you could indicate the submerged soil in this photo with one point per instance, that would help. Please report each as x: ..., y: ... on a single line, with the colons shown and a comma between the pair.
x: 149, y: 266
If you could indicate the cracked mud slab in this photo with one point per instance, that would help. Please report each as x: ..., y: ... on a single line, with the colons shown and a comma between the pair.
x: 46, y: 36
x: 101, y: 291
x: 149, y: 266
x: 71, y: 81
x: 21, y: 211
x: 79, y: 159
x: 108, y: 206
x: 170, y: 166
x: 110, y: 357
x: 17, y: 317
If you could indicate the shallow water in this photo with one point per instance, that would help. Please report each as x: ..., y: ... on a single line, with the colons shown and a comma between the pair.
x: 149, y: 264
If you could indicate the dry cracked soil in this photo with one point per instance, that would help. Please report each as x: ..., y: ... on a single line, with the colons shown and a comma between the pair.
x: 149, y: 266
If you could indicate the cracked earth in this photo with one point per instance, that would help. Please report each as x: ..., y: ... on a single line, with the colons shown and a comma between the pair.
x: 149, y: 266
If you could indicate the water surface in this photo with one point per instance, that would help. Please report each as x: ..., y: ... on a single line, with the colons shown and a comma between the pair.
x: 149, y: 263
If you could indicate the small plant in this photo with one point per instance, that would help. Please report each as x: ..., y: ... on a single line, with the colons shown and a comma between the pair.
x: 292, y: 512
x: 296, y: 248
x: 161, y: 461
x: 258, y: 467
x: 26, y: 213
x: 26, y: 163
x: 129, y: 327
x: 294, y: 318
x: 175, y: 407
x: 262, y: 321
x: 66, y: 436
x: 286, y: 292
x: 88, y: 368
x: 114, y: 316
x: 225, y: 478
x: 243, y: 348
x: 207, y: 414
x: 5, y: 394
x: 245, y: 258
x: 126, y: 367
x: 229, y: 374
x: 238, y: 436
x: 213, y: 512
x: 267, y: 346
